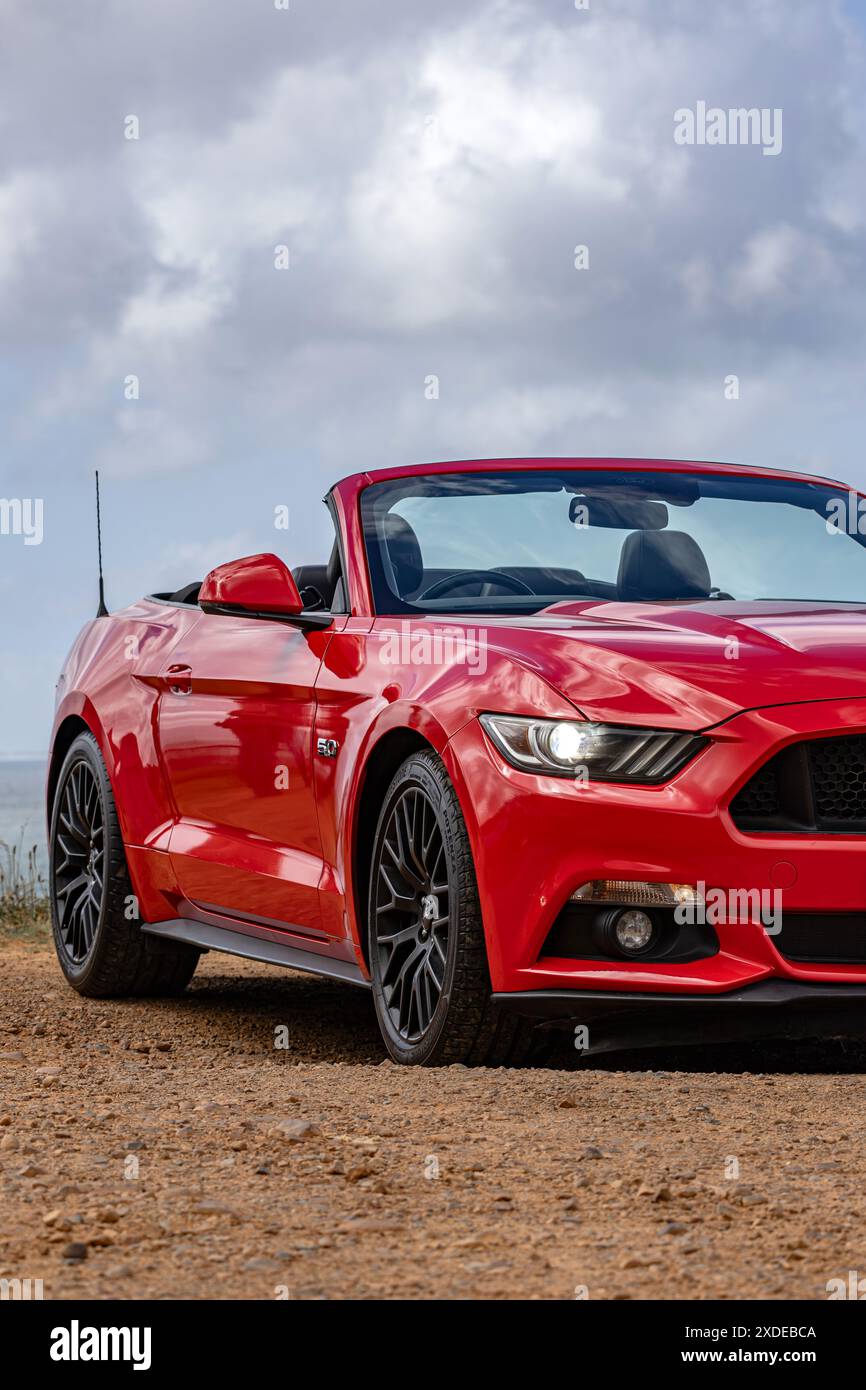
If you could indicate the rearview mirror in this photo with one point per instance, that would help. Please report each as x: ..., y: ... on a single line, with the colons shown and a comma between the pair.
x: 258, y: 586
x: 618, y: 513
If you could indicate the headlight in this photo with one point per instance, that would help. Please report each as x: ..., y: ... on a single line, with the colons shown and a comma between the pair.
x: 600, y: 752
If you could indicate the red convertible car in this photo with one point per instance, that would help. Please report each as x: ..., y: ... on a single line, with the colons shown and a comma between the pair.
x: 543, y: 743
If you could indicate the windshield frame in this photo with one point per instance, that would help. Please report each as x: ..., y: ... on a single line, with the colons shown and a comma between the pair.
x: 652, y: 477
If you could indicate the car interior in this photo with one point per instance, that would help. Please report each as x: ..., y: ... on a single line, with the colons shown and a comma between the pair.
x: 658, y: 566
x: 654, y: 565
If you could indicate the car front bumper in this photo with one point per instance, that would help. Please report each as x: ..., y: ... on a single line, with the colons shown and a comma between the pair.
x: 536, y: 839
x: 607, y: 1020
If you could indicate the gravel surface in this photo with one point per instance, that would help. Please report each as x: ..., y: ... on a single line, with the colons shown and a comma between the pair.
x: 248, y: 1141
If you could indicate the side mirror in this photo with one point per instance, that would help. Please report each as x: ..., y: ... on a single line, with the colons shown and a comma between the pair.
x: 259, y: 586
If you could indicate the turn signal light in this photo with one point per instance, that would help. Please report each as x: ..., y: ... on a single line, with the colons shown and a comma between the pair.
x: 635, y: 893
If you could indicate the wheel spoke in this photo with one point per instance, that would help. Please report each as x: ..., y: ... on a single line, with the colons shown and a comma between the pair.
x: 403, y: 833
x: 405, y: 984
x: 78, y: 861
x: 66, y: 917
x: 438, y: 887
x: 397, y: 901
x: 73, y: 857
x: 416, y: 834
x: 421, y: 1019
x: 72, y: 886
x: 425, y: 994
x: 412, y: 913
x: 398, y: 936
x: 89, y: 916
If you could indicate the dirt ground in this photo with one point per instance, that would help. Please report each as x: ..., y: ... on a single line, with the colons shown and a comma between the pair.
x: 248, y: 1141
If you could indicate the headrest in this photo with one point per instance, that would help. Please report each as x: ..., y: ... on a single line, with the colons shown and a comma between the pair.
x: 660, y: 565
x: 404, y: 552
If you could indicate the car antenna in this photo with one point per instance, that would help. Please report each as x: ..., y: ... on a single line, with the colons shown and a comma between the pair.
x: 102, y: 611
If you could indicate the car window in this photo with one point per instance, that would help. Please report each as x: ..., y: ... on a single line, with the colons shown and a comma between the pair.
x: 521, y: 541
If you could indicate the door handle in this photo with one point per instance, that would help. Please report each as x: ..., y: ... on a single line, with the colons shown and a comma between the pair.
x: 179, y: 679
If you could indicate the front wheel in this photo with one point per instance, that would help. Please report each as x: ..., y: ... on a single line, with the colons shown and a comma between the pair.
x: 428, y: 957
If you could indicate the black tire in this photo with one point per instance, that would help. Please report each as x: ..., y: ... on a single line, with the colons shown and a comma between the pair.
x: 94, y: 916
x: 421, y: 822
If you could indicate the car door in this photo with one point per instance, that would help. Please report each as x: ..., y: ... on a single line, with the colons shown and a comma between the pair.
x: 235, y: 730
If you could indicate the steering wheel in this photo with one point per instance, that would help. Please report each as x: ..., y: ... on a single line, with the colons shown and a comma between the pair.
x: 487, y: 578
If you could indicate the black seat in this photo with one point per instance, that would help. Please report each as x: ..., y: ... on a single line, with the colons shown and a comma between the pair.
x: 661, y: 565
x: 321, y: 586
x: 313, y: 585
x: 404, y: 553
x: 336, y: 583
x: 188, y: 594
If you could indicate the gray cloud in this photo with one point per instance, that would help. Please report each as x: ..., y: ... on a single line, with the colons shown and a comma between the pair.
x: 431, y: 169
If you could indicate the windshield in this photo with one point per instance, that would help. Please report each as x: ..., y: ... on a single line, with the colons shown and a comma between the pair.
x: 516, y: 542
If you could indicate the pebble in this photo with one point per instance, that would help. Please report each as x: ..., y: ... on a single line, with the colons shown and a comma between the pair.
x: 359, y: 1171
x: 294, y: 1130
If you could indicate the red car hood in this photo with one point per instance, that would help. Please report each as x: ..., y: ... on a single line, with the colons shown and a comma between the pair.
x: 690, y: 665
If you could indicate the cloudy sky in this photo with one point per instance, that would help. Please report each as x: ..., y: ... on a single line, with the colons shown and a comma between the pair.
x: 430, y: 168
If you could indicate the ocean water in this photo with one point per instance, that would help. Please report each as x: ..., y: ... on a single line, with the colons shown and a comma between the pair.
x: 22, y: 806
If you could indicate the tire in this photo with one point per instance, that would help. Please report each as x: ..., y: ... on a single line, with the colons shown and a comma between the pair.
x: 427, y: 953
x: 102, y: 951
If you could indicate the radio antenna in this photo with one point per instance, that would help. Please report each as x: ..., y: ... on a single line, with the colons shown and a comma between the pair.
x: 102, y: 611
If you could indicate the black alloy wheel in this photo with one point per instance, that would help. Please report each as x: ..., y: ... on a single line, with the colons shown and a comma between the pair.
x: 425, y: 935
x: 78, y: 869
x: 95, y: 919
x: 412, y: 917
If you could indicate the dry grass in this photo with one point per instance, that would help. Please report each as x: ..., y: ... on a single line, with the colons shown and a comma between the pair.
x: 24, y: 911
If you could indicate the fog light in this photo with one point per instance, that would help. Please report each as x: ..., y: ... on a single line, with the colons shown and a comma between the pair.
x: 625, y: 931
x: 633, y: 931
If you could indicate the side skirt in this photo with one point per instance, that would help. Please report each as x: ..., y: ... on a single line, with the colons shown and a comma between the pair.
x: 237, y: 943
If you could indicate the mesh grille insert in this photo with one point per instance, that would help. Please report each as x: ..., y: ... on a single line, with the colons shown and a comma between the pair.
x: 819, y: 784
x: 839, y: 778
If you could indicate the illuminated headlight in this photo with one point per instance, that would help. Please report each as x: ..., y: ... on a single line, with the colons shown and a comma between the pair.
x: 600, y: 752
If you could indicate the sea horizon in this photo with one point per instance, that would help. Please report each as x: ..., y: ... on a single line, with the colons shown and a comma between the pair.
x: 22, y: 810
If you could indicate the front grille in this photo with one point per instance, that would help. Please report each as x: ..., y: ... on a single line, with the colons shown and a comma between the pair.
x: 839, y: 779
x: 759, y: 798
x: 817, y: 785
x: 834, y: 938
